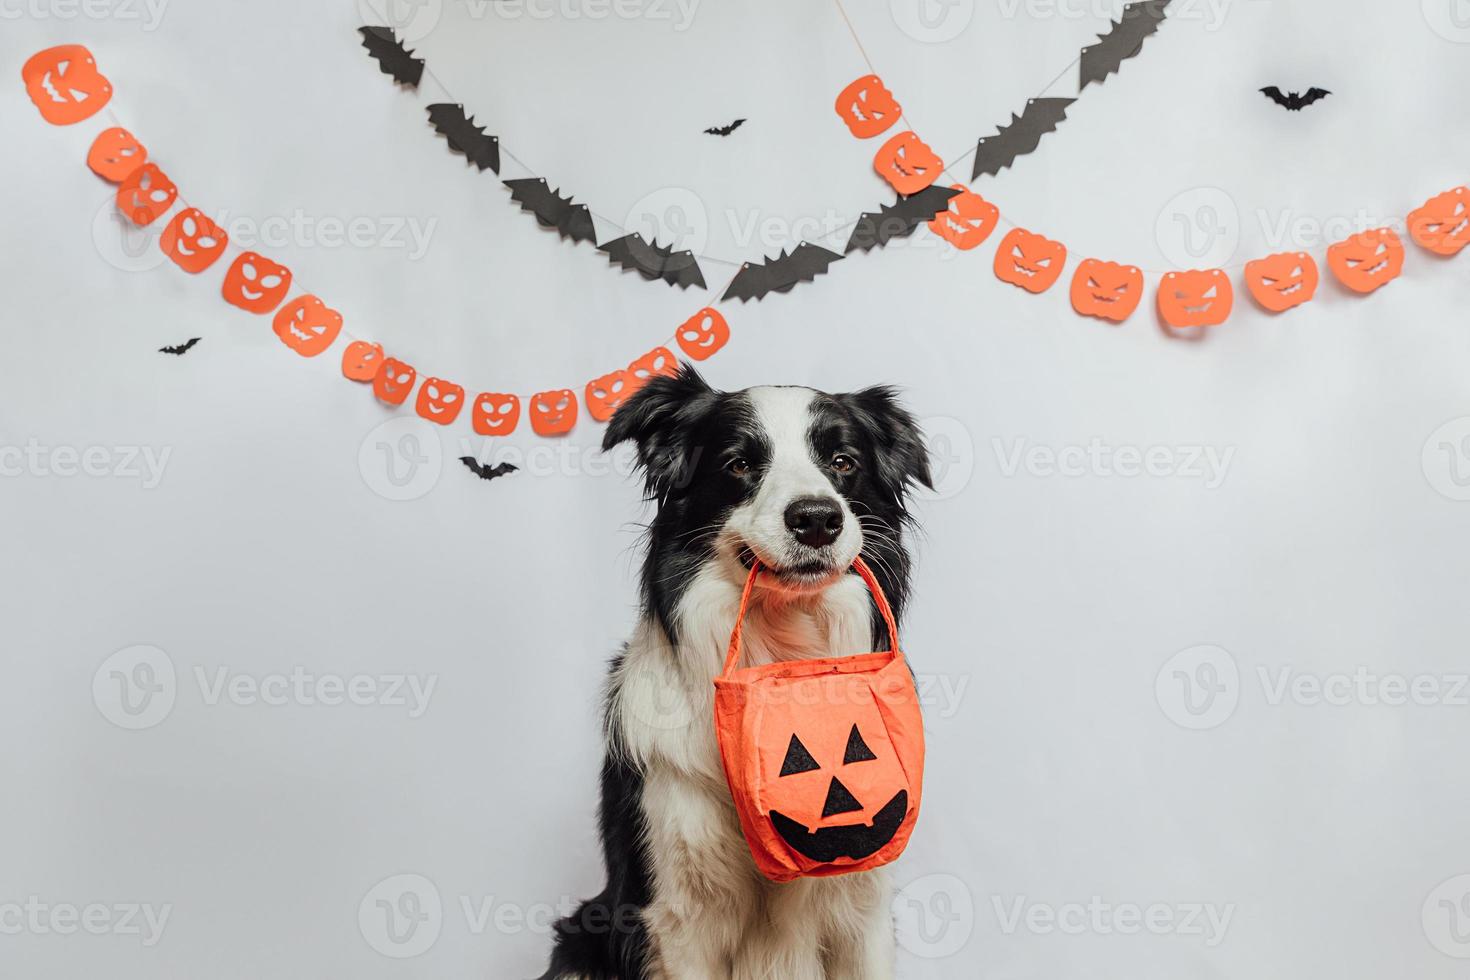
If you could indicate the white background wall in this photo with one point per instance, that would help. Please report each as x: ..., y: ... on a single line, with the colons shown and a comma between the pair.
x: 1047, y: 606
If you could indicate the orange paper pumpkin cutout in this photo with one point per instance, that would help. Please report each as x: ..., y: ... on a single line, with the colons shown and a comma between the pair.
x: 867, y: 107
x: 1030, y: 261
x: 606, y: 394
x: 256, y: 284
x: 145, y: 194
x: 115, y: 153
x: 1442, y: 224
x: 703, y: 334
x: 193, y: 241
x: 824, y: 758
x: 439, y: 401
x: 307, y: 325
x: 393, y: 381
x: 1282, y: 281
x: 361, y: 360
x: 1106, y: 290
x: 1367, y: 260
x: 553, y: 413
x: 658, y: 361
x: 907, y: 163
x: 967, y: 221
x: 1197, y: 298
x: 496, y: 414
x: 65, y: 84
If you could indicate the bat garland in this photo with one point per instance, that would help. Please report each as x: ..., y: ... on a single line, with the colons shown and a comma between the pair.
x: 780, y: 274
x: 1123, y: 41
x: 725, y: 130
x: 181, y: 349
x: 1022, y: 135
x: 654, y: 261
x: 899, y: 219
x: 485, y: 472
x: 392, y: 57
x: 463, y: 136
x: 1293, y: 102
x: 552, y: 210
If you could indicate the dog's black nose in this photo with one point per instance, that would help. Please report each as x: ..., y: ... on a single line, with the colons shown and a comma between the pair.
x: 816, y: 521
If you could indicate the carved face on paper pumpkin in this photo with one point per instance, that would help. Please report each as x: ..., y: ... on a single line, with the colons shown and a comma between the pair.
x: 361, y: 360
x: 393, y: 381
x: 867, y: 107
x: 907, y: 163
x: 256, y: 284
x: 145, y: 194
x: 1030, y: 261
x: 307, y: 325
x: 658, y: 361
x: 496, y: 414
x: 703, y: 334
x: 1282, y: 281
x: 553, y: 413
x: 1107, y: 290
x: 115, y: 153
x: 606, y: 394
x: 192, y: 241
x: 1197, y: 298
x: 439, y: 400
x: 967, y: 221
x: 65, y: 84
x: 1442, y: 224
x: 1367, y: 260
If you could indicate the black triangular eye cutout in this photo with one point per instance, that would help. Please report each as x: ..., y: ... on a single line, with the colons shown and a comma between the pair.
x: 798, y: 759
x: 839, y: 800
x: 857, y: 749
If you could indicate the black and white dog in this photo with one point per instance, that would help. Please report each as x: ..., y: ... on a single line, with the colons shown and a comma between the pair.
x: 806, y: 482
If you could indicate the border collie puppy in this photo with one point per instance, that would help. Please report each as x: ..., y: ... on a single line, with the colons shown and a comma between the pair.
x: 806, y: 482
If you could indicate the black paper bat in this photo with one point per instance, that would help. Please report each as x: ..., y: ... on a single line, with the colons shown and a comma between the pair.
x: 1123, y: 41
x: 1022, y: 135
x: 655, y: 261
x: 552, y: 210
x: 487, y: 472
x: 725, y: 130
x: 181, y: 349
x: 392, y: 57
x: 480, y: 148
x: 899, y: 219
x: 780, y: 274
x: 1292, y: 101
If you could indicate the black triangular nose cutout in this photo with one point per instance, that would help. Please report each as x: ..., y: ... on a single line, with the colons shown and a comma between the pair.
x: 798, y: 759
x: 839, y: 800
x: 857, y: 749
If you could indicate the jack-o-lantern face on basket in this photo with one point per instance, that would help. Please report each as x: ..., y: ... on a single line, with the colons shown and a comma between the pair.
x: 361, y: 360
x: 907, y: 163
x: 145, y: 194
x: 1030, y: 261
x: 1282, y: 281
x: 65, y: 84
x: 496, y: 414
x: 307, y: 325
x: 192, y: 241
x: 1197, y: 298
x: 1442, y: 224
x: 837, y: 791
x: 703, y: 334
x: 393, y: 381
x: 1367, y: 260
x: 607, y: 393
x: 439, y: 400
x: 867, y: 107
x: 553, y: 413
x: 1106, y: 289
x: 115, y: 154
x: 967, y: 221
x: 256, y: 284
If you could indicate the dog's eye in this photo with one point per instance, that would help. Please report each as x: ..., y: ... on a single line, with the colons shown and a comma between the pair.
x: 739, y: 466
x: 843, y: 463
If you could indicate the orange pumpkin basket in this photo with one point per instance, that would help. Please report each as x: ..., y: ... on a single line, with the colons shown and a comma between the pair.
x: 824, y: 758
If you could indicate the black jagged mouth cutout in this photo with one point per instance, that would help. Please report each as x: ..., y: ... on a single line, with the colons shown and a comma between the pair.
x: 856, y: 841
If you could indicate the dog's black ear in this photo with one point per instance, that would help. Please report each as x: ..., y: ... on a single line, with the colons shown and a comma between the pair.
x: 903, y: 459
x: 661, y: 420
